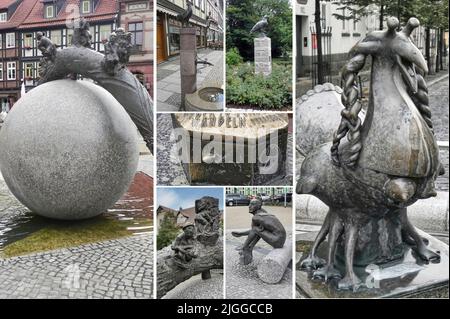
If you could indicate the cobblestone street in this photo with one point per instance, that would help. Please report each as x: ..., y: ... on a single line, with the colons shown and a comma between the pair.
x: 438, y: 94
x: 169, y: 169
x: 169, y: 82
x: 121, y: 268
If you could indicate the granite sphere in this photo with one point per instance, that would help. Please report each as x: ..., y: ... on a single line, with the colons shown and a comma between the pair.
x: 68, y: 150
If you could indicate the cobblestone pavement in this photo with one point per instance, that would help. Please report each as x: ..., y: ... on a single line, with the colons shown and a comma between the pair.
x: 438, y: 95
x: 197, y: 288
x: 242, y: 282
x: 169, y: 169
x: 120, y: 268
x: 288, y: 178
x: 169, y: 82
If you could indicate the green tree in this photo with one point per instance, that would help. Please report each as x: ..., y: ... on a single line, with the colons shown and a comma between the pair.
x: 356, y: 9
x: 242, y: 16
x: 433, y: 14
x: 167, y: 232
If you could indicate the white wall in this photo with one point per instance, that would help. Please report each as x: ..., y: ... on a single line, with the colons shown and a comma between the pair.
x: 339, y: 44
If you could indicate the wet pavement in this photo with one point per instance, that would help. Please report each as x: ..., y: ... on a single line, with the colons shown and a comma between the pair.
x: 17, y: 222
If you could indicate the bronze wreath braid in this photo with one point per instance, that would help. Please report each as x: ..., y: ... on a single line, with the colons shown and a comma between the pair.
x: 350, y: 125
x: 421, y: 101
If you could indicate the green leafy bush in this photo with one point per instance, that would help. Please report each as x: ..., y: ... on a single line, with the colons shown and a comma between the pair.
x: 167, y: 232
x: 245, y: 88
x: 233, y: 57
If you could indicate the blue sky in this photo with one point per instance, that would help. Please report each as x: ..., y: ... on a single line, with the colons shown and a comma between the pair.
x: 176, y: 197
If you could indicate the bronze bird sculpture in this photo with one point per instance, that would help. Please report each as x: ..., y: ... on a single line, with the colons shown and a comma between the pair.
x: 375, y: 168
x: 260, y: 27
x: 186, y: 15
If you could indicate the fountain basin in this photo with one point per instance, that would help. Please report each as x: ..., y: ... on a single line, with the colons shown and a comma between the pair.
x: 206, y: 99
x: 239, y: 140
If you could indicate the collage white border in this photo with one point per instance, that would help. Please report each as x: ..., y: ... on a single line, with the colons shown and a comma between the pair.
x: 155, y: 184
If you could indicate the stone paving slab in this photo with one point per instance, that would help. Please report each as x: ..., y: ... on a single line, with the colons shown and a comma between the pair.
x: 120, y: 268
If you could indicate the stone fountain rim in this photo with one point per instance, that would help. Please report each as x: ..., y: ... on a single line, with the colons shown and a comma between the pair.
x: 195, y: 99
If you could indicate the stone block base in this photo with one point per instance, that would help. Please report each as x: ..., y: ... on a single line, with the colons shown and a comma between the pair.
x: 263, y: 56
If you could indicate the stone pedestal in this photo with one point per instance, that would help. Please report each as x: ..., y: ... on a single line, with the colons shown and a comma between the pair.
x: 188, y: 56
x: 263, y: 56
x: 246, y: 134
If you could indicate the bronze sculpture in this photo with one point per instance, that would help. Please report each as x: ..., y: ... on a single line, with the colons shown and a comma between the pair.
x: 183, y: 246
x: 207, y: 220
x: 195, y: 251
x: 261, y: 27
x: 374, y: 169
x: 107, y: 70
x: 186, y: 15
x: 264, y: 226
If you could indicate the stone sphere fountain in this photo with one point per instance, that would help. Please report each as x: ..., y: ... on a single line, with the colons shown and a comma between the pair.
x: 68, y: 150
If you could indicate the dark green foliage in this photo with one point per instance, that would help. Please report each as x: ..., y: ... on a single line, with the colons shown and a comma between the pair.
x: 167, y: 232
x: 245, y: 88
x: 431, y: 13
x: 242, y: 16
x: 233, y: 57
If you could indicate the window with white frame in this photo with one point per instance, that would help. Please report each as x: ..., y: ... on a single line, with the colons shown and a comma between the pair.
x: 1, y: 41
x: 28, y: 71
x: 56, y: 37
x: 93, y: 35
x: 50, y: 11
x: 28, y: 40
x: 137, y: 6
x: 86, y: 6
x: 3, y: 16
x: 137, y: 34
x: 105, y: 31
x: 1, y: 71
x: 10, y: 40
x: 11, y: 70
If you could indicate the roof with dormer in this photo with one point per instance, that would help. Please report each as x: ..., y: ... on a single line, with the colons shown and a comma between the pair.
x: 19, y: 15
x: 105, y: 10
